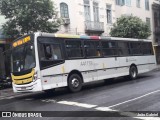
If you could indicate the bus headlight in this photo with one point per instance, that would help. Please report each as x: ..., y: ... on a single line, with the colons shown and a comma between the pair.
x: 35, y: 77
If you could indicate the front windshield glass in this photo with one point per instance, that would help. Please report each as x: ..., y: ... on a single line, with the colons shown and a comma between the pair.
x: 23, y: 58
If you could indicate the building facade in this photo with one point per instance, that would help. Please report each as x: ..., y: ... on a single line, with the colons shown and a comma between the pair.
x: 90, y: 17
x: 156, y: 28
x: 2, y: 49
x: 96, y: 17
x: 4, y: 43
x: 139, y: 8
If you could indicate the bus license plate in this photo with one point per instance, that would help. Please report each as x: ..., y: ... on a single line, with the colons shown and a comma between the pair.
x: 23, y: 88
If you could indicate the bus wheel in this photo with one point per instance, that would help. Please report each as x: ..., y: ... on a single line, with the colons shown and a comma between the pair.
x: 75, y: 83
x: 133, y: 73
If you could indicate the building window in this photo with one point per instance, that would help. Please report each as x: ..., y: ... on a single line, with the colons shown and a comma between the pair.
x: 148, y: 21
x: 96, y: 11
x: 87, y: 10
x: 120, y: 2
x: 128, y: 2
x: 155, y: 19
x: 64, y: 10
x: 147, y: 4
x: 109, y: 13
x: 138, y: 3
x: 123, y: 2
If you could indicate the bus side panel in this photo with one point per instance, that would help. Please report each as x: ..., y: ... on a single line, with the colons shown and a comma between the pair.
x: 123, y: 68
x: 145, y: 63
x: 106, y: 67
x: 52, y: 77
x: 84, y: 66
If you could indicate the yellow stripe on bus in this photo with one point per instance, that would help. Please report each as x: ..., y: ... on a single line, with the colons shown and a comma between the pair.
x: 67, y: 36
x: 22, y: 81
x: 103, y: 65
x: 63, y: 69
x: 24, y: 78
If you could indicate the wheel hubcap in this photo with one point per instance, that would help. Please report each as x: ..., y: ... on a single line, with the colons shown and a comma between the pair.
x: 133, y: 72
x: 75, y: 83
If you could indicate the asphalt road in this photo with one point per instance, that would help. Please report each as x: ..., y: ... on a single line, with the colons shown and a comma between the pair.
x: 118, y: 99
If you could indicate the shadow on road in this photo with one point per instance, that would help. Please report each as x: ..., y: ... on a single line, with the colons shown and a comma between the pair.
x: 60, y: 93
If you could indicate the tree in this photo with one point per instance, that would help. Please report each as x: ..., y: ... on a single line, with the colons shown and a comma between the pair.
x: 130, y: 27
x: 27, y: 16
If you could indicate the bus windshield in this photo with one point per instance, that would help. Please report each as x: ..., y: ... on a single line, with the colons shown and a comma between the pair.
x: 23, y: 58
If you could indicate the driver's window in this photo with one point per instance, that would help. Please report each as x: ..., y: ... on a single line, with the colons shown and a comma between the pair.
x: 47, y: 51
x: 56, y: 52
x: 50, y: 54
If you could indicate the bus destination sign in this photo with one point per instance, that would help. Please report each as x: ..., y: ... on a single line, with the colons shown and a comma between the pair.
x: 21, y: 41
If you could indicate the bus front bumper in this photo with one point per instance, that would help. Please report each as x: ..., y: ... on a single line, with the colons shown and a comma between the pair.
x: 31, y: 87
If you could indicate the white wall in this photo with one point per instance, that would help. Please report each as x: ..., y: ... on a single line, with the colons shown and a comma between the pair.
x: 139, y: 12
x: 76, y: 14
x: 77, y: 18
x: 2, y: 20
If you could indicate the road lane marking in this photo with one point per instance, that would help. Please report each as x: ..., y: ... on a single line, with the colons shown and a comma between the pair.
x: 1, y: 98
x: 109, y: 108
x: 84, y: 105
x: 77, y: 104
x: 106, y: 109
x: 129, y: 114
x: 7, y: 97
x: 134, y: 99
x: 10, y: 97
x: 147, y: 118
x: 29, y: 99
x: 49, y: 100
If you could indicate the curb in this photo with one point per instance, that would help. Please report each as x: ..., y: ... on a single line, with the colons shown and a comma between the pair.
x: 9, y: 93
x: 13, y: 95
x: 157, y: 69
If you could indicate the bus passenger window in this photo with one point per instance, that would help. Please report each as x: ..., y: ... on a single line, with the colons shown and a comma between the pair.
x: 74, y: 49
x: 92, y: 48
x: 98, y: 53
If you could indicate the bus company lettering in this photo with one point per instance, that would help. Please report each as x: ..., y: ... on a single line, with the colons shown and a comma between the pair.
x: 87, y: 63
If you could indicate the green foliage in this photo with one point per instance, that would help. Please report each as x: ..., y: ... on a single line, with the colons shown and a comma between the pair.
x: 130, y: 27
x: 26, y: 16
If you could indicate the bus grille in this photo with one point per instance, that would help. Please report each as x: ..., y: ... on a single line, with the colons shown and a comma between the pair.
x: 23, y: 79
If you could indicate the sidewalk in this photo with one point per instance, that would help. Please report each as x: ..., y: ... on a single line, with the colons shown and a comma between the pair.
x: 7, y: 93
x: 158, y: 67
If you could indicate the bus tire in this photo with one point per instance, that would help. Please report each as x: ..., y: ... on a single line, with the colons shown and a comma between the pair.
x: 75, y: 83
x: 133, y: 72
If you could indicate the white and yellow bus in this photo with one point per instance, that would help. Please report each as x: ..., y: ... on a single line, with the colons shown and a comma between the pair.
x: 44, y: 61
